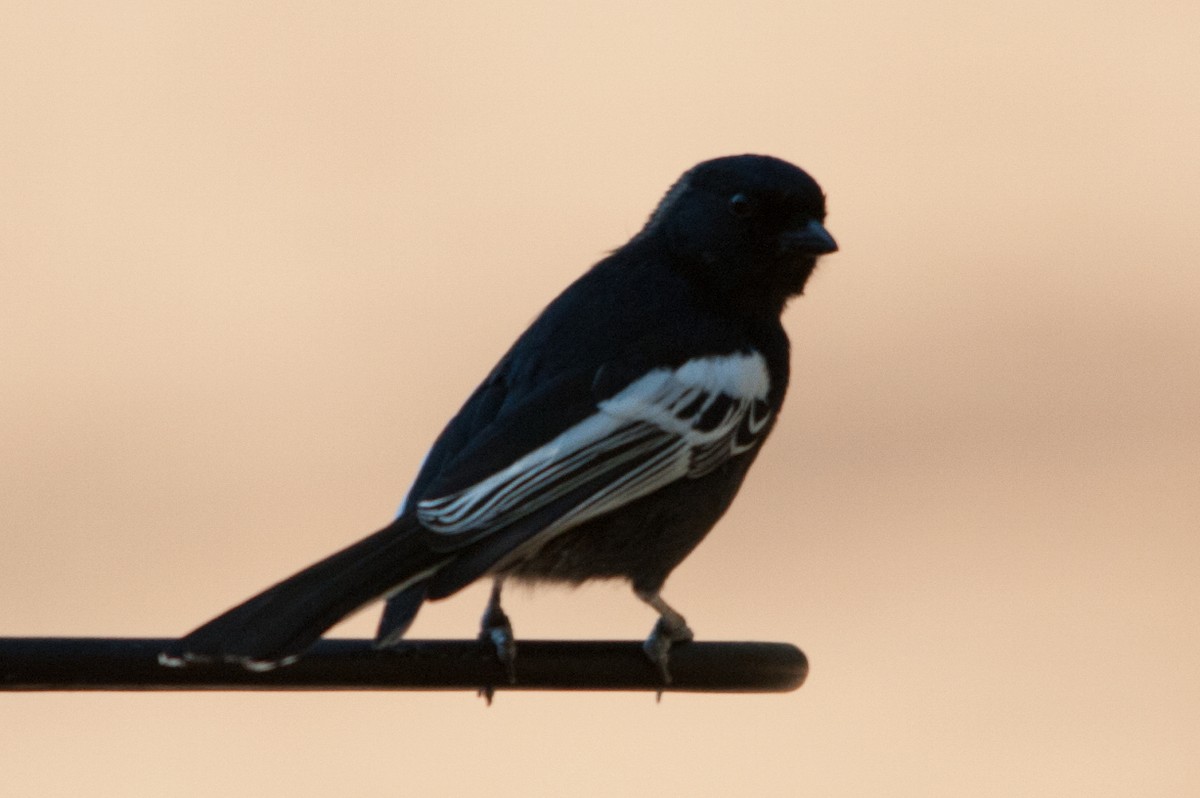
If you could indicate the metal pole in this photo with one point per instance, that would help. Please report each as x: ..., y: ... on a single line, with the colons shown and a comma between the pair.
x: 131, y: 664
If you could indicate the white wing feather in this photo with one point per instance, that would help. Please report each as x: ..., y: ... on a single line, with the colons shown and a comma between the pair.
x: 667, y: 425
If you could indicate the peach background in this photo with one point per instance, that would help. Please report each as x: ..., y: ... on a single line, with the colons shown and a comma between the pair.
x: 251, y: 258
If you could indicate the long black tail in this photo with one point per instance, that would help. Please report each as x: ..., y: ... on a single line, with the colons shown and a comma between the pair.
x: 277, y: 625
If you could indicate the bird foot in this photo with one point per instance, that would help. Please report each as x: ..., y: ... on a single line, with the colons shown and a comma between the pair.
x: 497, y: 629
x: 667, y: 633
x: 506, y: 648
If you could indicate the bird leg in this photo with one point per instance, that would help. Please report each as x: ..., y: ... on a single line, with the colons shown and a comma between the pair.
x: 670, y: 629
x: 496, y: 627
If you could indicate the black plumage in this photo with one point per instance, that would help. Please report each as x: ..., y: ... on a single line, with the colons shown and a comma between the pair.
x: 605, y: 444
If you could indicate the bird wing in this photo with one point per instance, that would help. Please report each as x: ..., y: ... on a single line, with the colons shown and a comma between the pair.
x: 669, y: 423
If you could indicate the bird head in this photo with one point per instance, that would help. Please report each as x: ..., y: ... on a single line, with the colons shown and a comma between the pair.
x: 749, y: 228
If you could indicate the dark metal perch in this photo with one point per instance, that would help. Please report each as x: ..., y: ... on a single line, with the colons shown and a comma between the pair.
x: 93, y: 663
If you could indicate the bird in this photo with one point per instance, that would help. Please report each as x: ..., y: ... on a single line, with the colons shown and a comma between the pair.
x: 605, y: 444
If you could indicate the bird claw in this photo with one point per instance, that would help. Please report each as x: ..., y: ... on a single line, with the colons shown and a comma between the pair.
x: 501, y: 637
x: 665, y: 635
x: 497, y: 629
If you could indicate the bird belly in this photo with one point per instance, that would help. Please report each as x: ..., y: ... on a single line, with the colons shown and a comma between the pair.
x: 641, y: 542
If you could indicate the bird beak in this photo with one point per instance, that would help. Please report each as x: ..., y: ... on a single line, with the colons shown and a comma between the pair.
x: 812, y: 239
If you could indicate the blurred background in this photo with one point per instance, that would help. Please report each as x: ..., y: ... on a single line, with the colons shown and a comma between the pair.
x: 253, y: 256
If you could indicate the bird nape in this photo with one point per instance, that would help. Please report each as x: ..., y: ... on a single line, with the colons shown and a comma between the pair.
x: 605, y: 444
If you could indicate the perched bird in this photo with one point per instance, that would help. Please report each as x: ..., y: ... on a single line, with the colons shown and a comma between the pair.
x: 605, y: 444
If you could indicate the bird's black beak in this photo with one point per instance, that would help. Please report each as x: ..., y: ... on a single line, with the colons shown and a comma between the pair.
x: 812, y: 239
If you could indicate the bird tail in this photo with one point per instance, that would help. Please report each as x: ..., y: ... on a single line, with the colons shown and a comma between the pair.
x: 276, y: 626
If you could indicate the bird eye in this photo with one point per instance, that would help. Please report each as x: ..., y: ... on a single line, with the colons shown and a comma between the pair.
x: 740, y: 206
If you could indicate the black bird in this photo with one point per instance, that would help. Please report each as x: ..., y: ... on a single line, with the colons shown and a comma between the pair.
x: 605, y: 444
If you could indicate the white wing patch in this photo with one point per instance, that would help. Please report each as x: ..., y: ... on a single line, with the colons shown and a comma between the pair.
x: 667, y: 425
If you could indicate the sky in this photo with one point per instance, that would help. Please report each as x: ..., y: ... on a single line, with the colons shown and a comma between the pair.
x: 253, y: 256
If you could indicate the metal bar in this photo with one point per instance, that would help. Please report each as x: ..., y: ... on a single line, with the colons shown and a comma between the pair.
x: 131, y: 664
